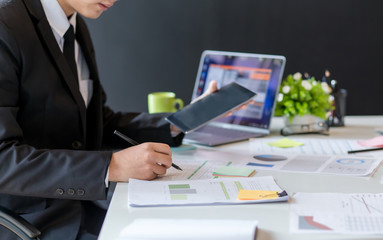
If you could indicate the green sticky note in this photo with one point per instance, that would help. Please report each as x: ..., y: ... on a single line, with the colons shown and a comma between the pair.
x: 229, y: 171
x: 285, y: 143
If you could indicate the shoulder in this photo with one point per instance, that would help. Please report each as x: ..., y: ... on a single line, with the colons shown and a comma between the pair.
x: 10, y: 12
x: 7, y: 3
x: 13, y: 14
x: 15, y: 25
x: 16, y: 14
x: 10, y: 9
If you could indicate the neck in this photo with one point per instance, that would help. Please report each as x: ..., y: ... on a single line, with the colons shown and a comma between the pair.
x: 68, y: 10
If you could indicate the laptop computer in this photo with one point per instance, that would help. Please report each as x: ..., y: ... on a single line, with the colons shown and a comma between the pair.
x: 259, y: 73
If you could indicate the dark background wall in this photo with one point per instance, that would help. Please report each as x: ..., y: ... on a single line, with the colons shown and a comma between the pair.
x: 144, y: 46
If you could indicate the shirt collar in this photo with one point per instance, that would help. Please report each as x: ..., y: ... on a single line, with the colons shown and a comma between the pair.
x: 57, y: 18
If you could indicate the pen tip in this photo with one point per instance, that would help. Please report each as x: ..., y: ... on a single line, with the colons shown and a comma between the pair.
x: 177, y: 167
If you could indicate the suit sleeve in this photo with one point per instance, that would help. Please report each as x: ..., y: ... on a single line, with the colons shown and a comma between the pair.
x: 143, y: 127
x: 47, y: 173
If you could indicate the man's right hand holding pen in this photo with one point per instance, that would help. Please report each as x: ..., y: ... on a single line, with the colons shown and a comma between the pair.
x: 145, y: 161
x: 148, y: 160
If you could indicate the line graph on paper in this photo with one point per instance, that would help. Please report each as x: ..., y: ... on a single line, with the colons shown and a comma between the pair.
x: 367, y: 204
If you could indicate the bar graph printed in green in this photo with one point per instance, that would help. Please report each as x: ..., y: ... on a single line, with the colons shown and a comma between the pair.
x: 178, y: 197
x: 238, y: 185
x: 224, y: 190
x: 180, y: 191
x: 179, y: 186
x: 197, y: 170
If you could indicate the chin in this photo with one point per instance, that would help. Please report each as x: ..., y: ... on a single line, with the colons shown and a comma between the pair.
x: 91, y: 15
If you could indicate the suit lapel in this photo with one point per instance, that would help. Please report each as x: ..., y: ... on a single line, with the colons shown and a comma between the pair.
x: 44, y: 29
x: 83, y: 39
x: 94, y: 110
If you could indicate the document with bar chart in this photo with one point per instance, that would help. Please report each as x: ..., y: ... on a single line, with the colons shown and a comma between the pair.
x: 198, y: 192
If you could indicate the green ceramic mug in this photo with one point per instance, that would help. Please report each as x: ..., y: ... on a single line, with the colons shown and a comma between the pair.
x: 164, y: 102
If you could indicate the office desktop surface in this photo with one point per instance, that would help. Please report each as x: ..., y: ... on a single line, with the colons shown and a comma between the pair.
x: 273, y: 218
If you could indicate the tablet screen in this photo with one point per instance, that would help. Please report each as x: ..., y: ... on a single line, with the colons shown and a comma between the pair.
x: 210, y: 107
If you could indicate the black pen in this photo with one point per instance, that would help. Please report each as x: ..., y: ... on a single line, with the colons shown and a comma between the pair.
x: 134, y: 143
x: 365, y: 150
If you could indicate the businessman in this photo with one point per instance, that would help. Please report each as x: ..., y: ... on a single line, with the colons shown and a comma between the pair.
x: 55, y: 128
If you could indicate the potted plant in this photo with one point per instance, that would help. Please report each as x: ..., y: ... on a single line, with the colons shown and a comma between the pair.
x: 303, y: 101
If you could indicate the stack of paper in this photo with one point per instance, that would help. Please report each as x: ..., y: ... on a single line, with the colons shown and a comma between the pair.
x: 189, y: 229
x: 198, y: 192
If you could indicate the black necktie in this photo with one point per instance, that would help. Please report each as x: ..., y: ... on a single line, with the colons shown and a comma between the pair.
x: 69, y: 49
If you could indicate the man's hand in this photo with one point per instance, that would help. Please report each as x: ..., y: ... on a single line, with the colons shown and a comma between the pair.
x: 145, y: 161
x: 212, y: 88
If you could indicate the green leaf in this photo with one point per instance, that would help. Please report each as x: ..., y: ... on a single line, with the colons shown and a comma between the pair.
x: 300, y: 101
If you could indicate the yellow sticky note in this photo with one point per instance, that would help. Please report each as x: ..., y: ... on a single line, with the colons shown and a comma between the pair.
x: 256, y: 194
x: 285, y: 143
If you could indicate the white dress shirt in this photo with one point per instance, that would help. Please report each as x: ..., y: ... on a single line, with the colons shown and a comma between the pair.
x: 60, y: 24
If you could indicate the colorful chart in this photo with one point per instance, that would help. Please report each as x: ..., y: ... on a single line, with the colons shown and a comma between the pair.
x: 270, y: 157
x: 350, y: 161
x: 180, y: 191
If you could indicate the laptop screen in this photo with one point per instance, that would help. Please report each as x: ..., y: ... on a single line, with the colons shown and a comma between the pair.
x: 260, y: 73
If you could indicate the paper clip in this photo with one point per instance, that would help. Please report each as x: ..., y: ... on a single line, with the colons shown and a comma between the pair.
x: 281, y: 194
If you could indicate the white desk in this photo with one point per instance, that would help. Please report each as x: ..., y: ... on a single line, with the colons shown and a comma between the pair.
x: 273, y: 218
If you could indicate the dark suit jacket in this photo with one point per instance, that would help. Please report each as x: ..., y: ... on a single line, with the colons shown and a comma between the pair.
x: 51, y: 157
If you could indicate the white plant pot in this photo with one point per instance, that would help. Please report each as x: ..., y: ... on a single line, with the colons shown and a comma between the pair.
x: 301, y: 120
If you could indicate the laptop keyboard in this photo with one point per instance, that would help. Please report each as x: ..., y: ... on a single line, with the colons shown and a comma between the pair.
x: 233, y: 133
x: 210, y: 132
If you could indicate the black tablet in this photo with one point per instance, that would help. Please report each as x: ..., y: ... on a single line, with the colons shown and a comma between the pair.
x: 214, y: 105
